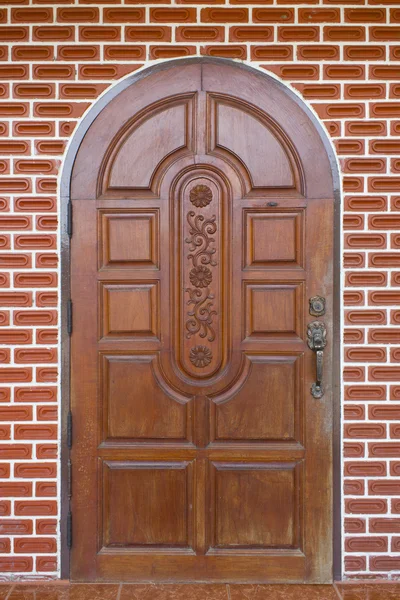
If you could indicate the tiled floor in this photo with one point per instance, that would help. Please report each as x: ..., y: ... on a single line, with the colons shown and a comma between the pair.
x: 66, y: 591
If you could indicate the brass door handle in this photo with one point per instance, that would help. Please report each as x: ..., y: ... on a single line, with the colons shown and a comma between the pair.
x: 316, y: 340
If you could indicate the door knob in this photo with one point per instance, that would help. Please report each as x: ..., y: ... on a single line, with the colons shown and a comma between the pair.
x: 316, y: 340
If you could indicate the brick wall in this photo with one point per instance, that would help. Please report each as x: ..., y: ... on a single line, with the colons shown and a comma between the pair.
x: 343, y: 57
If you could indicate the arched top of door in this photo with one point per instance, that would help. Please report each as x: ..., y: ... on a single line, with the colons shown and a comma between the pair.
x: 282, y: 144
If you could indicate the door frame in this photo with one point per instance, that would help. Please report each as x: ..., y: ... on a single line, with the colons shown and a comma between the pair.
x: 65, y: 245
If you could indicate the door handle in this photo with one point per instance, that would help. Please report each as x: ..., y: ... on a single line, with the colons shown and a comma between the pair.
x: 316, y: 340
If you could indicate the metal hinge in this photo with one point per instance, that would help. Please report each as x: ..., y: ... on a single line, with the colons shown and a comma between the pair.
x: 69, y: 218
x: 69, y: 317
x: 69, y: 430
x: 69, y: 530
x: 69, y: 479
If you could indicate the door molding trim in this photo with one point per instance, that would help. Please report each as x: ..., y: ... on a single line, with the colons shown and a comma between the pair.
x: 65, y: 241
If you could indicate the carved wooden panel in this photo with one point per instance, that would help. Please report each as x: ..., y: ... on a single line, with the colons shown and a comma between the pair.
x: 268, y: 514
x: 163, y: 130
x: 273, y: 311
x: 201, y: 234
x: 243, y: 132
x: 129, y: 239
x: 130, y: 310
x: 273, y: 239
x: 135, y: 496
x: 268, y: 404
x: 135, y: 407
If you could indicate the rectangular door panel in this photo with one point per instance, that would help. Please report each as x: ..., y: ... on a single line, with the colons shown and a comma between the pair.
x: 267, y: 407
x: 147, y: 505
x: 268, y: 514
x: 135, y: 407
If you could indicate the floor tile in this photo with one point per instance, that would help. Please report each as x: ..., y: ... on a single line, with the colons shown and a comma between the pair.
x: 74, y: 591
x: 282, y: 592
x: 4, y: 590
x: 371, y: 591
x: 174, y: 592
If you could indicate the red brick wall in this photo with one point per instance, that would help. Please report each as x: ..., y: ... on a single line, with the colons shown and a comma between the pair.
x: 343, y: 57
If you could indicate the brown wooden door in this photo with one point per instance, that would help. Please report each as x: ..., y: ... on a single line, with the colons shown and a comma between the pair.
x: 202, y: 224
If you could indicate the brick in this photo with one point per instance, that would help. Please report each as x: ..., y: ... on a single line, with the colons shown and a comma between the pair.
x: 15, y: 375
x: 81, y: 52
x: 353, y: 412
x: 361, y: 430
x: 384, y: 450
x: 46, y: 451
x: 384, y: 487
x: 384, y: 563
x: 353, y: 487
x: 365, y: 15
x: 34, y: 545
x: 22, y: 564
x: 315, y: 52
x: 37, y: 508
x: 384, y: 34
x: 83, y: 14
x: 365, y: 128
x: 15, y: 413
x: 354, y: 525
x: 366, y: 544
x: 45, y: 299
x: 366, y: 279
x: 298, y: 34
x: 250, y: 34
x: 46, y: 563
x: 224, y: 51
x: 344, y: 34
x: 353, y: 373
x: 365, y: 506
x: 157, y: 52
x: 35, y: 432
x: 353, y: 222
x: 31, y: 52
x: 46, y: 375
x: 353, y: 260
x: 161, y: 33
x: 46, y: 526
x: 273, y: 15
x: 295, y: 71
x: 353, y: 336
x: 15, y: 489
x: 365, y: 469
x: 106, y: 71
x: 16, y: 526
x: 124, y: 52
x: 46, y: 489
x: 53, y: 33
x: 35, y: 204
x: 365, y: 241
x: 355, y: 563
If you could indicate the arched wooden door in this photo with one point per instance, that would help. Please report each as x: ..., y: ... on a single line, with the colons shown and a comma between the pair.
x: 202, y: 226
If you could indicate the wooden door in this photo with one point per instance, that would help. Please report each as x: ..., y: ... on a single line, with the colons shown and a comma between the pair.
x: 202, y: 225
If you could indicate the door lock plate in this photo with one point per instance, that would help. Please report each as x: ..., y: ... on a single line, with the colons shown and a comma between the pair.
x: 317, y: 306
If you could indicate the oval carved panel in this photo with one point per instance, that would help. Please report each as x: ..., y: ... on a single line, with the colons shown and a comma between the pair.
x: 201, y: 255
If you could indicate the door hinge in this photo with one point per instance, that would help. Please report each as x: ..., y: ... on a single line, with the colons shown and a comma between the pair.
x: 69, y: 479
x: 69, y: 218
x: 69, y: 317
x: 69, y: 430
x: 69, y: 530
